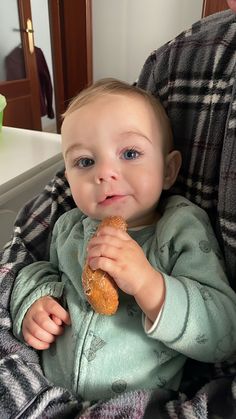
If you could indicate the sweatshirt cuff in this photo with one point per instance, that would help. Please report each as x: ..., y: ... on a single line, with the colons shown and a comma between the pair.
x: 55, y: 290
x: 149, y: 326
x: 171, y: 322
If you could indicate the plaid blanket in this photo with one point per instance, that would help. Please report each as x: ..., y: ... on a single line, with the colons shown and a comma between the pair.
x: 194, y: 76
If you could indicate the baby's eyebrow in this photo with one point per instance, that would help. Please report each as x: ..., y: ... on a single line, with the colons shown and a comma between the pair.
x: 73, y: 147
x: 131, y: 133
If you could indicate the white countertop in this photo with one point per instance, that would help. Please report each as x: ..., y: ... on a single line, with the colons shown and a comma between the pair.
x: 23, y: 153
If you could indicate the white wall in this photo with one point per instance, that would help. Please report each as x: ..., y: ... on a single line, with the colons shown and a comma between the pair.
x: 126, y: 31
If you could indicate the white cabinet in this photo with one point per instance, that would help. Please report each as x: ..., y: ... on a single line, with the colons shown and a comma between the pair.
x: 28, y: 160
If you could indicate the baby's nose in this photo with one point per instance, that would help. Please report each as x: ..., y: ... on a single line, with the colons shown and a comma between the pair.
x: 106, y: 173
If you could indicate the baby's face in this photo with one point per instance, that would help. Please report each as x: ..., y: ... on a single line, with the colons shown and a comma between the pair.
x: 114, y: 158
x: 232, y: 5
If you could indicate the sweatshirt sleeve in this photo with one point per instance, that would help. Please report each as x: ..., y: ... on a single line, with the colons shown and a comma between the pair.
x: 198, y: 318
x: 33, y: 282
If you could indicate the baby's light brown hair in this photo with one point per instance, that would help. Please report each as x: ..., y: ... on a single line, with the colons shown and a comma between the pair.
x: 113, y: 86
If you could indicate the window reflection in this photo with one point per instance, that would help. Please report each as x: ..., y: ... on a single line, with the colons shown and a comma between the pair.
x: 15, y: 65
x: 12, y: 66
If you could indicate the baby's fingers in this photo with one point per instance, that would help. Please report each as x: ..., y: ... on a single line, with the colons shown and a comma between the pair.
x: 53, y: 308
x: 103, y: 250
x: 37, y: 337
x: 56, y: 320
x: 35, y: 343
x: 43, y: 322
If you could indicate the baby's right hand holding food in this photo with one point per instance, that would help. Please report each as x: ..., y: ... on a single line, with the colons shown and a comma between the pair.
x: 43, y: 322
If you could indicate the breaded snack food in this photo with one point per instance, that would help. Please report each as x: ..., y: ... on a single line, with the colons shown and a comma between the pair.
x: 100, y: 289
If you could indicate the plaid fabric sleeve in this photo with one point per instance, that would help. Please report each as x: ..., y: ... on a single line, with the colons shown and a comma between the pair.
x: 194, y: 77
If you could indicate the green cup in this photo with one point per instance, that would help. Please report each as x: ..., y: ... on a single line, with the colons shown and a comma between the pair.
x: 3, y: 103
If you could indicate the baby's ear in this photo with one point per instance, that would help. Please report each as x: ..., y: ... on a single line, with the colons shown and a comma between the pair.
x: 172, y: 165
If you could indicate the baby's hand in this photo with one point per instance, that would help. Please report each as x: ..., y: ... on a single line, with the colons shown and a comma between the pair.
x: 116, y: 253
x: 43, y: 322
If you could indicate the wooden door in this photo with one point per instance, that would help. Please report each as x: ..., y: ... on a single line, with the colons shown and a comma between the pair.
x: 71, y: 43
x: 18, y: 70
x: 213, y: 6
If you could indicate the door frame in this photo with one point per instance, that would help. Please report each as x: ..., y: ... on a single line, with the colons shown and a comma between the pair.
x: 71, y: 45
x: 213, y: 6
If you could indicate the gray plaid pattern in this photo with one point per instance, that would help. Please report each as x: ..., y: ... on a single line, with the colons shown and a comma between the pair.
x: 194, y: 77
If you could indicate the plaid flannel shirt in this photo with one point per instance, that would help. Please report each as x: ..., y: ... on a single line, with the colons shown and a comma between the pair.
x: 194, y: 76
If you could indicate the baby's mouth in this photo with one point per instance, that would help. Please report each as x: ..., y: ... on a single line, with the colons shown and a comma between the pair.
x: 110, y: 199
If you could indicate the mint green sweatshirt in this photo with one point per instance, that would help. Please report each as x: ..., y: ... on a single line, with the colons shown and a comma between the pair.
x: 99, y: 356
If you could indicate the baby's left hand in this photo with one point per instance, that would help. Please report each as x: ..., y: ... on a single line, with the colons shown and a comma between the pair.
x: 116, y: 253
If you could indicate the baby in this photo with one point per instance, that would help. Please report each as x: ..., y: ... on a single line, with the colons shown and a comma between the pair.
x: 175, y: 301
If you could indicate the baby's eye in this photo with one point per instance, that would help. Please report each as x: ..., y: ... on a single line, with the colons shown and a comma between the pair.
x: 84, y: 162
x: 131, y: 154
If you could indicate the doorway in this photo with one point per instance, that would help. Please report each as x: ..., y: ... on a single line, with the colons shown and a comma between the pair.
x: 42, y: 41
x: 71, y: 57
x: 213, y: 6
x: 71, y: 40
x: 63, y: 30
x: 18, y: 72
